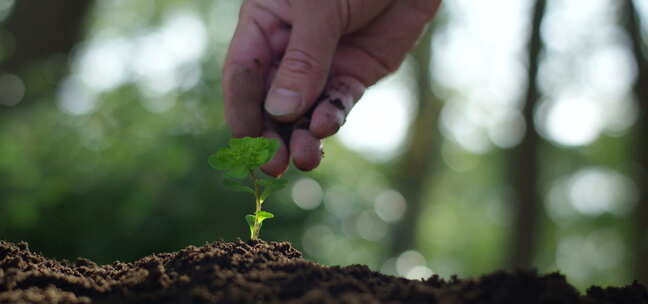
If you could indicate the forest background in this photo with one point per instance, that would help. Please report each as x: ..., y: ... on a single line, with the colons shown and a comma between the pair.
x: 515, y: 135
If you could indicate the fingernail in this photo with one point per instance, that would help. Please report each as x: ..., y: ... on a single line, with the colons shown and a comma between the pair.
x: 340, y: 117
x: 282, y: 102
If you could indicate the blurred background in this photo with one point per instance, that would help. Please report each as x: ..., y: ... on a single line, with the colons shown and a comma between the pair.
x: 515, y: 135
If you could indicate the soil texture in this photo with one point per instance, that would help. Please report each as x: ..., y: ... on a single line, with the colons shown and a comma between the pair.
x: 266, y: 272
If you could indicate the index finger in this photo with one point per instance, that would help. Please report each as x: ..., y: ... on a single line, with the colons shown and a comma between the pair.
x: 245, y: 71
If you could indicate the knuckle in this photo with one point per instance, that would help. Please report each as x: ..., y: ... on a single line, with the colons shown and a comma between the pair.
x: 384, y: 65
x: 301, y: 63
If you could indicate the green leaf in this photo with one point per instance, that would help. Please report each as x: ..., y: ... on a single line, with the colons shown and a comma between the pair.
x: 274, y: 146
x: 237, y: 172
x: 247, y: 152
x: 263, y: 157
x: 263, y: 215
x: 249, y: 218
x: 271, y: 147
x: 250, y: 221
x: 235, y: 185
x: 270, y: 186
x: 219, y: 160
x: 266, y: 181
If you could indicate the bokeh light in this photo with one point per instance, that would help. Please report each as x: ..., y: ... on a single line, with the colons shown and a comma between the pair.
x: 307, y: 193
x: 390, y: 206
x: 370, y: 227
x: 5, y: 9
x: 584, y: 101
x: 571, y: 121
x: 103, y: 64
x: 377, y: 126
x: 592, y: 255
x: 412, y: 264
x: 593, y: 191
x: 337, y: 200
x: 74, y: 97
x: 476, y: 60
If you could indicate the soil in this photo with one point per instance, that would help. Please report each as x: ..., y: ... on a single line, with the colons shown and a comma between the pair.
x: 266, y: 272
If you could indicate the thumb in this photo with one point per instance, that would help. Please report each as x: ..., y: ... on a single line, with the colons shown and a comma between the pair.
x: 305, y: 66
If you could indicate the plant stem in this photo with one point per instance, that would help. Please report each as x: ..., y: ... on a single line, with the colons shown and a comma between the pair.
x: 257, y: 195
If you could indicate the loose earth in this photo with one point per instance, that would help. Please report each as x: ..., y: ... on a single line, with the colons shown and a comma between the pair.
x: 266, y: 272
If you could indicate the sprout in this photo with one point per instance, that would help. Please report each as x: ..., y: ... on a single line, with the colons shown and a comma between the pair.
x: 239, y: 162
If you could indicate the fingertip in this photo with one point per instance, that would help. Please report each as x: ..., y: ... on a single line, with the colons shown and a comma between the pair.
x: 273, y: 171
x: 306, y: 150
x: 327, y: 120
x: 341, y: 94
x: 279, y: 163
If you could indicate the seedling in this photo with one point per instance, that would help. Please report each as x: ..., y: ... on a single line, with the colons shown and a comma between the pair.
x: 240, y: 162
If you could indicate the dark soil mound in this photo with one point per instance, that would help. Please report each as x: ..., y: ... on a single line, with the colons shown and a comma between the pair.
x: 260, y: 272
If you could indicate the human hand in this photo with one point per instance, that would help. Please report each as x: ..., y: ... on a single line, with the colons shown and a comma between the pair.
x: 307, y: 62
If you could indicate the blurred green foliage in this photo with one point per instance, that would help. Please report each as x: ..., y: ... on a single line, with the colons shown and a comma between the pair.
x: 111, y: 163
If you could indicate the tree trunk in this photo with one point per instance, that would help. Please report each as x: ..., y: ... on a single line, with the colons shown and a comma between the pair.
x: 412, y: 173
x: 640, y: 90
x: 42, y: 30
x: 524, y: 159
